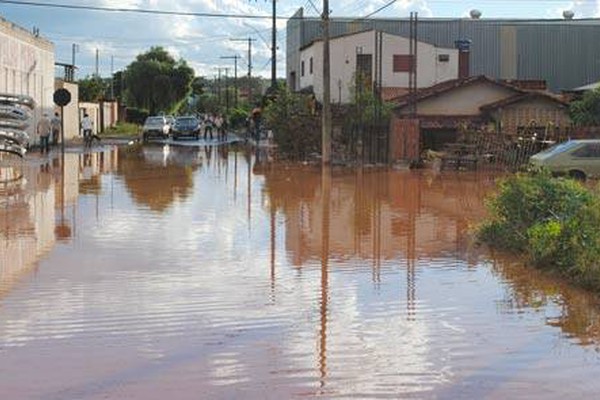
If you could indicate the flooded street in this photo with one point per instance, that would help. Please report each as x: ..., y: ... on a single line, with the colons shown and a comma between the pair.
x: 200, y: 273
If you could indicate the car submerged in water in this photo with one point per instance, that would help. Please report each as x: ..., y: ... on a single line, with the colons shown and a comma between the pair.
x: 186, y: 127
x: 579, y: 159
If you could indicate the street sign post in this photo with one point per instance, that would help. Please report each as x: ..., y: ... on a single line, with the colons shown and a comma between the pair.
x: 62, y: 97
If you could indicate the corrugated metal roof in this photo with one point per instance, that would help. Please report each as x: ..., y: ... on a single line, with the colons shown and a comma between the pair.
x: 565, y: 53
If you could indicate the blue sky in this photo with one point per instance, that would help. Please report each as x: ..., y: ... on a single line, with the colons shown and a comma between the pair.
x: 202, y: 41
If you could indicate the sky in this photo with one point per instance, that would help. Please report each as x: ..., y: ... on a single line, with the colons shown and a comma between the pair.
x: 202, y: 41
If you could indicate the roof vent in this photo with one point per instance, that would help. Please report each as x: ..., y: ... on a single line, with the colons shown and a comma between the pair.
x: 568, y: 14
x: 475, y: 14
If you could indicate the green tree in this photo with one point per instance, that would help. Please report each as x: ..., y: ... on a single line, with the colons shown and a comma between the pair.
x: 157, y: 82
x: 92, y: 89
x: 586, y: 112
x: 199, y: 85
x: 296, y: 127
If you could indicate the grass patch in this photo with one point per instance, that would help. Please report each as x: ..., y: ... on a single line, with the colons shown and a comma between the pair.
x: 124, y: 129
x: 553, y: 222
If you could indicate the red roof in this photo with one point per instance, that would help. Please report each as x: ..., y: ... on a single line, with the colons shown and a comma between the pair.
x: 446, y: 86
x: 520, y: 97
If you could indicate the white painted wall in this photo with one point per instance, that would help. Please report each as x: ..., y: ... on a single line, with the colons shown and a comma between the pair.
x: 465, y: 100
x: 71, y: 111
x: 27, y: 67
x: 343, y: 64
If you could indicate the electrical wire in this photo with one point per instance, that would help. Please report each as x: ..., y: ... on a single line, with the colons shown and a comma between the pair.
x: 378, y: 10
x: 139, y: 10
x: 244, y: 16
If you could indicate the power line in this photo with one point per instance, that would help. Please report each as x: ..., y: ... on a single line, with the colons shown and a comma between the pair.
x: 314, y: 7
x: 379, y: 9
x: 138, y: 10
x: 238, y: 16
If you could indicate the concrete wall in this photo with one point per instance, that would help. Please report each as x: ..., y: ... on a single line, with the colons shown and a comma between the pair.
x: 71, y: 111
x: 93, y: 110
x: 344, y: 52
x: 27, y: 67
x: 110, y: 114
x: 104, y: 115
x: 463, y: 101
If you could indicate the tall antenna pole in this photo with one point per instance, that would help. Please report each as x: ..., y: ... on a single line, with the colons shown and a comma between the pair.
x: 326, y: 128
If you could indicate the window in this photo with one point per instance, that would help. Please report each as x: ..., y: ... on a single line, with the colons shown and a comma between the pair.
x: 302, y: 69
x: 443, y: 57
x: 310, y: 66
x: 402, y: 62
x: 588, y: 151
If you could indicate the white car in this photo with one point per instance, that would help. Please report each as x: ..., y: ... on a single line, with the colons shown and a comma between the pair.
x: 155, y: 127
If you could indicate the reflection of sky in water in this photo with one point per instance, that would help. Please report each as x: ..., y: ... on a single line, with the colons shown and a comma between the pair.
x: 190, y: 296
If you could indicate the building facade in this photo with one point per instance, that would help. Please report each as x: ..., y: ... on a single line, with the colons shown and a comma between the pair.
x: 355, y: 59
x: 27, y: 68
x: 562, y: 52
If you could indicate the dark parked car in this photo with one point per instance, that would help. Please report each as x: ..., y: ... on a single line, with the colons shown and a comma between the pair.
x: 186, y: 127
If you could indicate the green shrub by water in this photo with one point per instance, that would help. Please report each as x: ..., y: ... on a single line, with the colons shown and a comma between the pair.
x: 554, y: 222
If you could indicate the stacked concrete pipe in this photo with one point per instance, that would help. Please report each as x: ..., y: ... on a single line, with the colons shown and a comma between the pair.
x: 15, y: 114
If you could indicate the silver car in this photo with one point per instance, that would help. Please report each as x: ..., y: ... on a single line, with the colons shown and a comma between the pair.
x: 155, y: 127
x: 579, y: 159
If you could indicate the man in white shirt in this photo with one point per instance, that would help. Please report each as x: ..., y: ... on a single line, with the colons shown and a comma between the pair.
x: 86, y: 125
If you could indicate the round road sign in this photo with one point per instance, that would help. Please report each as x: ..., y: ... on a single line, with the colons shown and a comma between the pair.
x: 62, y: 97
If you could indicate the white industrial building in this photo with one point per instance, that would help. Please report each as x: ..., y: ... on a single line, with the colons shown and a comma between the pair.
x: 27, y: 68
x: 360, y: 52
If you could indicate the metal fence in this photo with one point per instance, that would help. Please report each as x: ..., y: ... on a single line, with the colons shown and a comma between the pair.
x: 366, y: 143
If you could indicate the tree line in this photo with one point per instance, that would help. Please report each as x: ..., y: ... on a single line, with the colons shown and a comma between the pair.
x: 158, y: 83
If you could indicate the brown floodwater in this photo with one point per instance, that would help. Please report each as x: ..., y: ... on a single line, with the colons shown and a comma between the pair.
x: 204, y: 273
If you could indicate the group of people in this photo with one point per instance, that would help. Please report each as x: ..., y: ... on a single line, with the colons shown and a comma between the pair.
x: 216, y: 123
x: 49, y: 131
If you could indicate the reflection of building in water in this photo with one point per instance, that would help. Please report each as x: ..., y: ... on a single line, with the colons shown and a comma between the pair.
x: 33, y: 217
x: 375, y: 215
x: 164, y: 177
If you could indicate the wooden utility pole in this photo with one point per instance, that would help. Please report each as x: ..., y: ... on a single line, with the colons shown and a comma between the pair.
x: 326, y: 122
x: 235, y: 80
x: 249, y: 40
x: 274, y: 48
x: 97, y: 63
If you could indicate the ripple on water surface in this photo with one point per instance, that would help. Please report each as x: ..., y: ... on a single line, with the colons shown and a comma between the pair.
x: 189, y: 272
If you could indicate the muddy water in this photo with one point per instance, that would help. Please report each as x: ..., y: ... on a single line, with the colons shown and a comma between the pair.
x: 191, y: 273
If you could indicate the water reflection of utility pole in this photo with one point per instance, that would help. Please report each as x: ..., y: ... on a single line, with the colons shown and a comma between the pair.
x: 410, y: 267
x: 377, y: 240
x: 325, y: 222
x: 273, y: 243
x: 235, y: 163
x: 249, y: 189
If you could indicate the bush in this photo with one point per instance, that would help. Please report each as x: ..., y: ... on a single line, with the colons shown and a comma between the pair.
x: 553, y: 222
x: 296, y: 128
x: 237, y: 117
x: 136, y: 115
